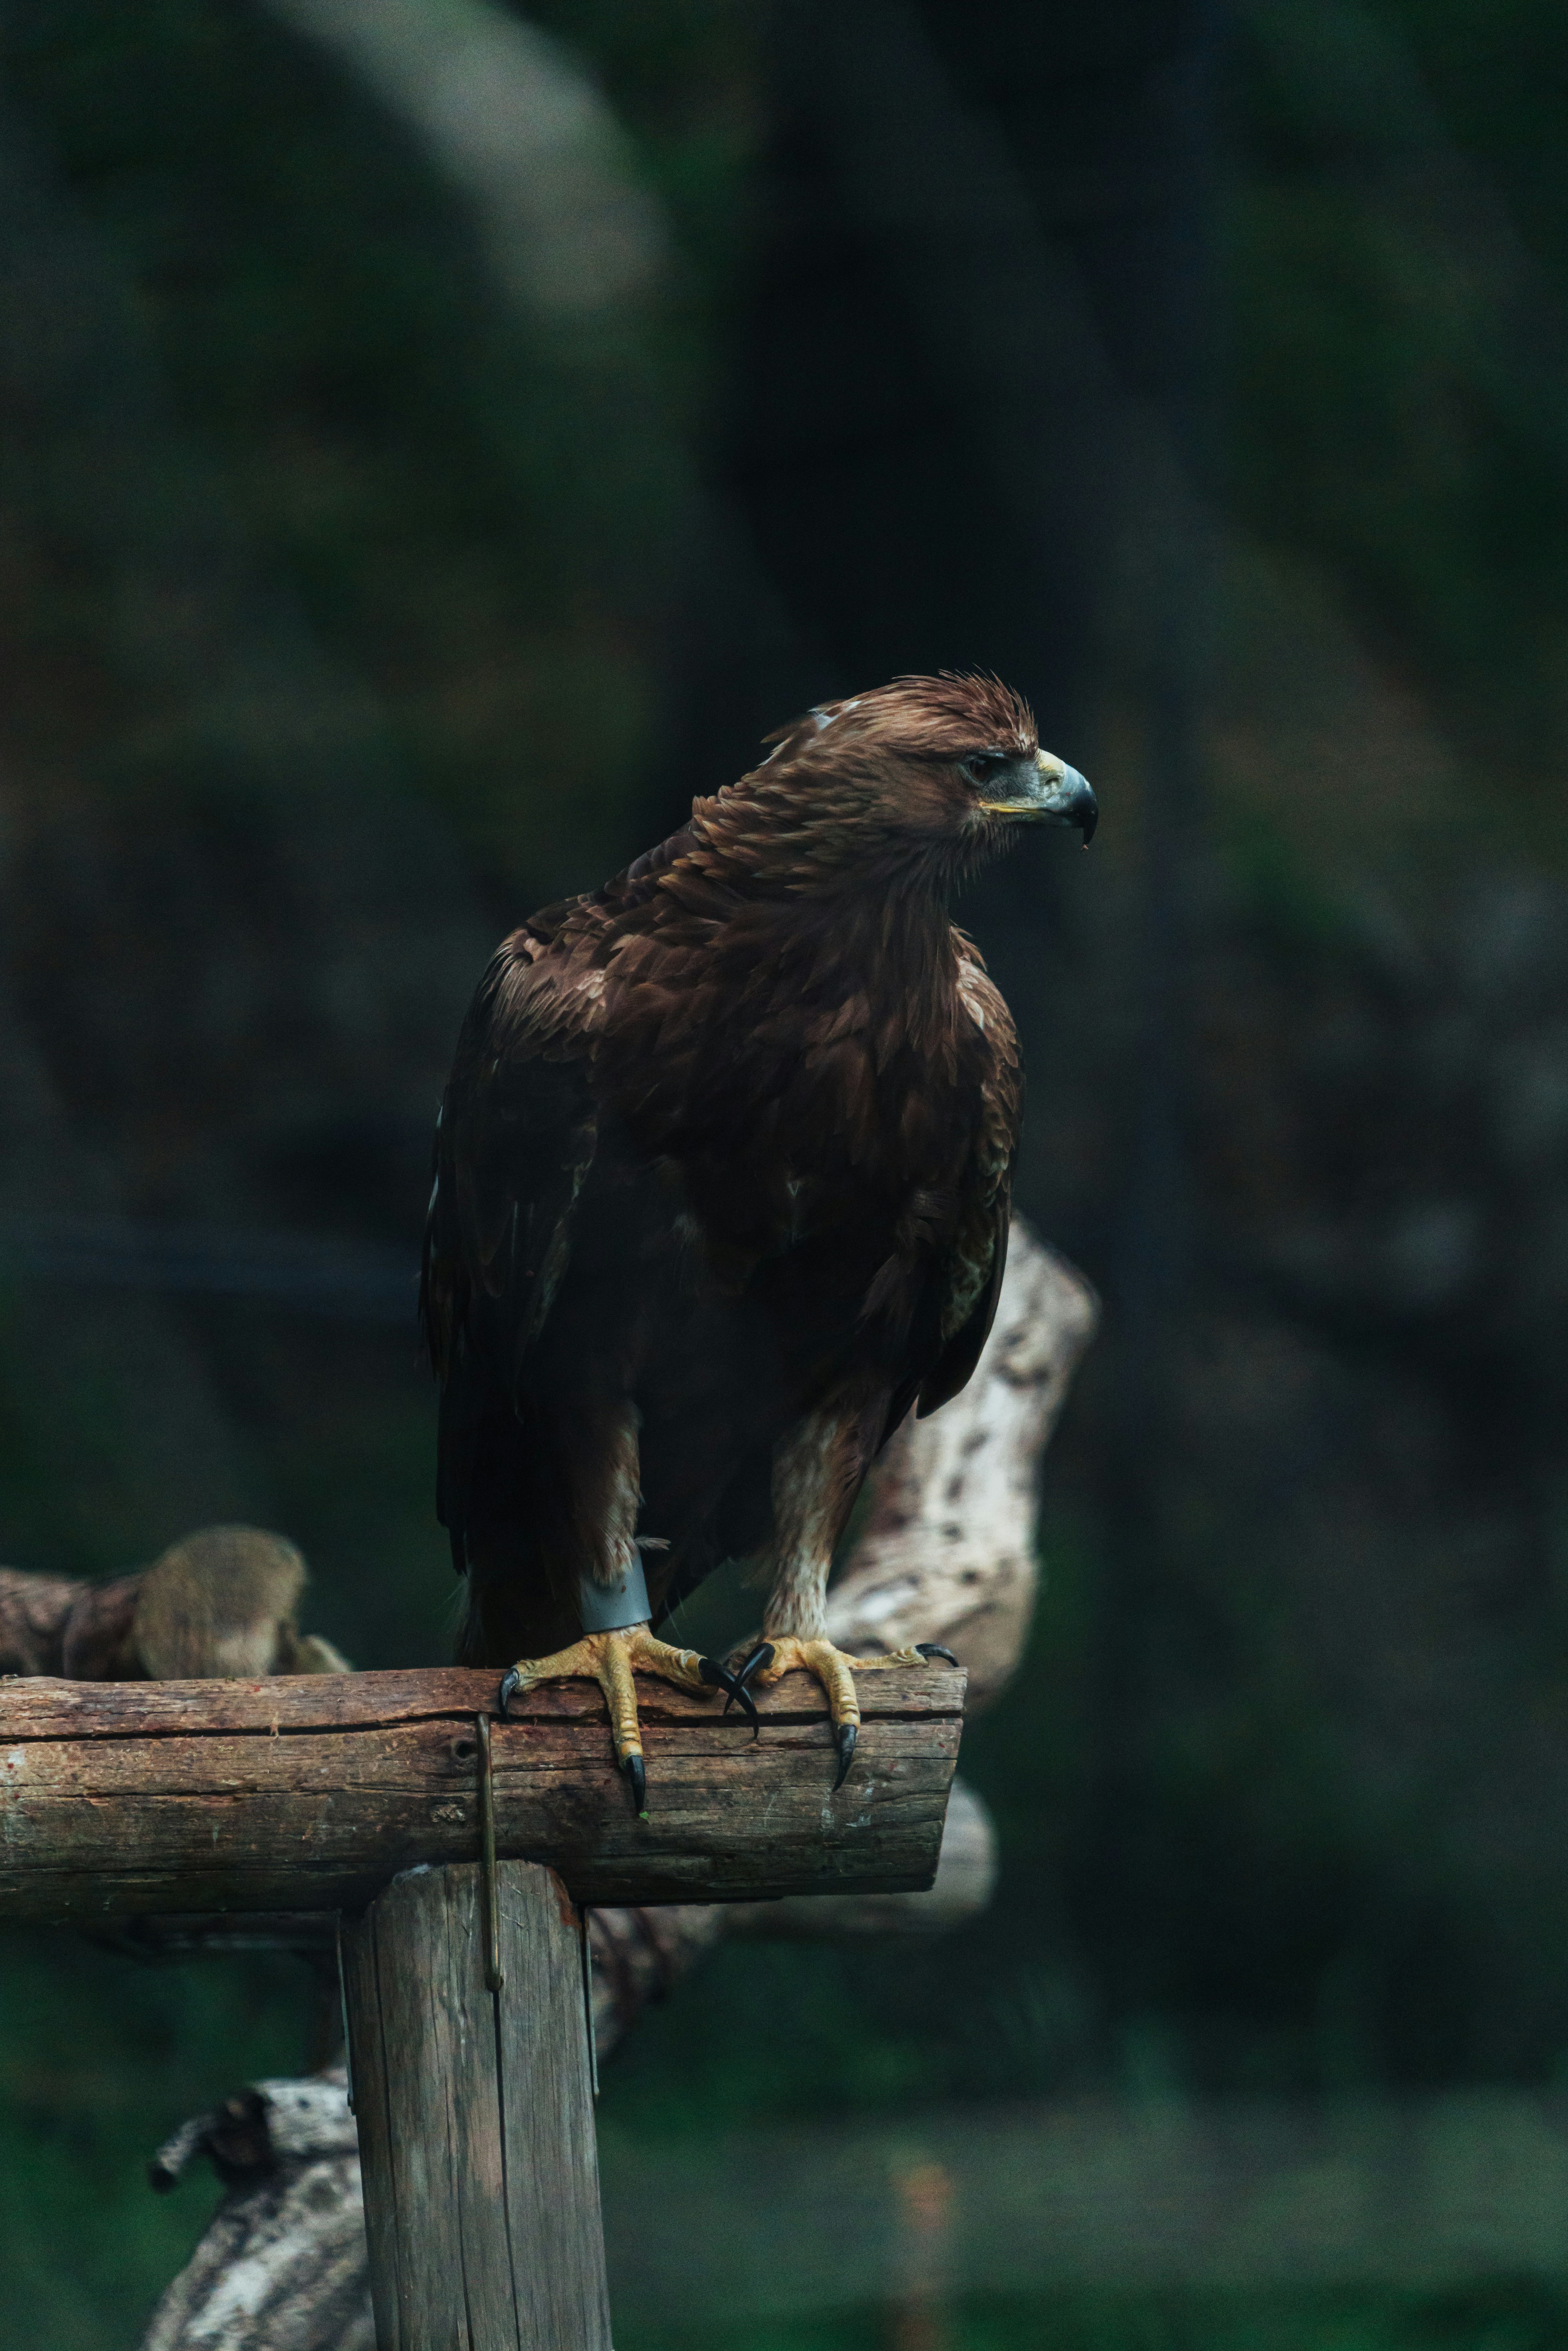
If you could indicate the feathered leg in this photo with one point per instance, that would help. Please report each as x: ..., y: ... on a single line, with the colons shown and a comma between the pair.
x: 817, y: 1473
x: 596, y: 1538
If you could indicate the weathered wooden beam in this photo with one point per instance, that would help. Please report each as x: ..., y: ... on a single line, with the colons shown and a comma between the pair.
x: 312, y: 1791
x: 475, y: 2116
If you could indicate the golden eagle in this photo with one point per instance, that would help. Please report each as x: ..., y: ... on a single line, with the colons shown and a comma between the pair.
x: 722, y: 1183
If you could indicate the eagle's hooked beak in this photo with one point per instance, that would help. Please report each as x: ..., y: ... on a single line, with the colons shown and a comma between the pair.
x: 1050, y: 793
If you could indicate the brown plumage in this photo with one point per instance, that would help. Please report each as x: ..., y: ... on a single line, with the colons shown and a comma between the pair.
x: 723, y: 1172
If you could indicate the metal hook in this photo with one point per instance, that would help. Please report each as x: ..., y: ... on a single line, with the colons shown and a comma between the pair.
x: 588, y: 2025
x: 344, y: 2010
x: 493, y: 1978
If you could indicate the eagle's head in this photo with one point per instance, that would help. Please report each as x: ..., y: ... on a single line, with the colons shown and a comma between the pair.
x: 929, y: 775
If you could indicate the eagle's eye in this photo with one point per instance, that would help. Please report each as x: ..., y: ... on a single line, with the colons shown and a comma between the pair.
x: 981, y: 766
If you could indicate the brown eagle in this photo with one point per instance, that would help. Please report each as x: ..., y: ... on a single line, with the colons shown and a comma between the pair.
x: 722, y: 1183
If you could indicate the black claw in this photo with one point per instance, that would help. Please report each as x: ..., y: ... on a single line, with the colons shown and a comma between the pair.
x: 848, y: 1733
x: 935, y: 1650
x: 719, y: 1676
x: 638, y: 1779
x: 510, y: 1681
x: 761, y: 1655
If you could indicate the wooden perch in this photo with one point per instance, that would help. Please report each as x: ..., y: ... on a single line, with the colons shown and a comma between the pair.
x: 311, y: 1792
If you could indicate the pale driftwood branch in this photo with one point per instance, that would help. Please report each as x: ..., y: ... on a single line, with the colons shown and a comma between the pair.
x: 948, y: 1551
x: 282, y: 2264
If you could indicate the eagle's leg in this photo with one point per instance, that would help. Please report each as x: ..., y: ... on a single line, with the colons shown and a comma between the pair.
x: 599, y: 1461
x: 817, y: 1473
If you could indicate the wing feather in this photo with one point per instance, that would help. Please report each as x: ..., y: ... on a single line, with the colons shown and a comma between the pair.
x: 514, y: 1145
x: 977, y: 1258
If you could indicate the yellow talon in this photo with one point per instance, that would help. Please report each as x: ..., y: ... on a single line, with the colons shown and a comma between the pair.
x: 610, y: 1660
x: 832, y: 1666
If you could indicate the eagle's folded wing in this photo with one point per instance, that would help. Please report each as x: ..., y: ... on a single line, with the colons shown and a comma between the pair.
x: 973, y: 1266
x: 514, y: 1147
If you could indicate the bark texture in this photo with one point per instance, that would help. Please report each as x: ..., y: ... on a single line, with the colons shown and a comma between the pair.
x: 282, y: 2262
x: 475, y: 2115
x: 312, y: 1791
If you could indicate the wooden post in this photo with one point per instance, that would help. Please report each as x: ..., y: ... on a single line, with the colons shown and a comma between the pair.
x: 475, y: 2116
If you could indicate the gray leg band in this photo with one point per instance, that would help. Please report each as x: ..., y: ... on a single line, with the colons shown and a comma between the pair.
x: 607, y: 1607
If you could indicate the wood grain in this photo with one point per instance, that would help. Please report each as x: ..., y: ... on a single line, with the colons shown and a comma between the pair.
x: 475, y: 2118
x: 311, y: 1792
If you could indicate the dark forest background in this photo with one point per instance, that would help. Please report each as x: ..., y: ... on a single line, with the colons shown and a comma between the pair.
x: 435, y: 443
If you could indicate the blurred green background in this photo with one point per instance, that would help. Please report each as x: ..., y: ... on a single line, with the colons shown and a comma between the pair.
x: 437, y: 442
